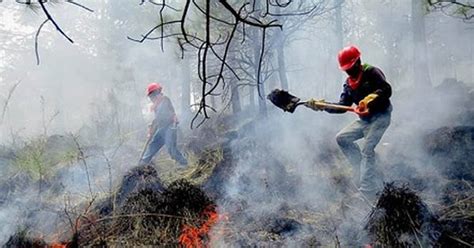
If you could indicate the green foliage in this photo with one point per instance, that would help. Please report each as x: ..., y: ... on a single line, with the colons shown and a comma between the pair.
x: 31, y: 160
x: 39, y: 159
x: 64, y: 157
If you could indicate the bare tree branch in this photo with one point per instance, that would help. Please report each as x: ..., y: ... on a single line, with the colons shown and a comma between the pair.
x: 36, y: 41
x: 80, y: 5
x: 7, y: 100
x: 145, y: 36
x: 260, y: 61
x: 51, y: 19
x: 454, y: 8
x: 222, y: 19
x: 48, y: 15
x: 83, y: 159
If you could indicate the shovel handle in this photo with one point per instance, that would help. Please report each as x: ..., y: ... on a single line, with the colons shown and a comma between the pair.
x: 334, y: 106
x: 337, y: 107
x: 148, y: 140
x: 342, y: 108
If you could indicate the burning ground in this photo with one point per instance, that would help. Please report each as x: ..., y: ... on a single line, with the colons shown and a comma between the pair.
x: 244, y: 187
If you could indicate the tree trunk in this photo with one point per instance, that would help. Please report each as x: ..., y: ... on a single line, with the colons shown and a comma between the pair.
x: 262, y: 104
x: 234, y: 90
x: 251, y: 98
x: 339, y: 39
x: 390, y: 41
x: 339, y: 26
x: 235, y: 97
x: 280, y: 47
x: 472, y: 56
x: 420, y: 60
x: 257, y: 49
x: 212, y: 103
x: 281, y: 63
x: 185, y: 88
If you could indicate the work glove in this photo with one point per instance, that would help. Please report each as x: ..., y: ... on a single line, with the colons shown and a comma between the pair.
x: 316, y: 105
x: 364, y: 103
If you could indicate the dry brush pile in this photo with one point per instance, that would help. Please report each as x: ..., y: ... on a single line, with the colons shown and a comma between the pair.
x: 148, y: 213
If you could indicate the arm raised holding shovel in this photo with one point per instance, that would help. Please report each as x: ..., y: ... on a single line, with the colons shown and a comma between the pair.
x: 367, y: 88
x: 288, y: 103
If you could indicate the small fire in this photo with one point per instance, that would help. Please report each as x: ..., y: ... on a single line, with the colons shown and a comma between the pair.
x: 195, y: 237
x: 58, y: 245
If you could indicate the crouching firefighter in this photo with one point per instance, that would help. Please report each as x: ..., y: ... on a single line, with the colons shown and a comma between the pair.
x: 162, y: 131
x: 367, y: 87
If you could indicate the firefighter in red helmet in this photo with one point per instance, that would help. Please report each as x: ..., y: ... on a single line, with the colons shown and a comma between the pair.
x: 162, y: 130
x: 366, y: 87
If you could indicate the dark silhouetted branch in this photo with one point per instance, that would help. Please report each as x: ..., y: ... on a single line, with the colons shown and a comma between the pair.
x: 36, y: 41
x: 80, y: 6
x: 48, y: 15
x: 463, y: 10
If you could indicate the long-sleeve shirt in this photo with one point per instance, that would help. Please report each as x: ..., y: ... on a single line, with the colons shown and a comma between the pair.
x: 372, y: 81
x: 164, y: 113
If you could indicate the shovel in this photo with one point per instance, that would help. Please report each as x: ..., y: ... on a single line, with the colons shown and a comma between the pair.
x: 284, y: 100
x: 148, y: 140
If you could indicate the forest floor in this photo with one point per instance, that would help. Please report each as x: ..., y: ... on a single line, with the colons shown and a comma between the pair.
x: 56, y: 193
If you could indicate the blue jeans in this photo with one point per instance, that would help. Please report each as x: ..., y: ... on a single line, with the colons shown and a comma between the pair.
x: 363, y: 160
x: 164, y: 136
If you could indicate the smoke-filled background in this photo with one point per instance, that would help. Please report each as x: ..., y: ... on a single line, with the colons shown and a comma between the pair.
x: 73, y: 115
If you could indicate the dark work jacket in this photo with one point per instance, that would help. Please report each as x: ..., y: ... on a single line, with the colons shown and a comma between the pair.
x: 372, y: 81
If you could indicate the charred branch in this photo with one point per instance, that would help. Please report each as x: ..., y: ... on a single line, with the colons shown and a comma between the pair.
x: 49, y: 18
x: 36, y: 41
x: 456, y: 8
x: 223, y: 23
x: 80, y: 6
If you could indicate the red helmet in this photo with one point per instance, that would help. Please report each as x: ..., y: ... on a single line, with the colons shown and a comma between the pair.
x: 153, y: 87
x: 347, y: 57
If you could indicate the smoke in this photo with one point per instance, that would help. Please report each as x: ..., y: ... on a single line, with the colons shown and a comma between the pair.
x: 286, y: 165
x: 44, y: 207
x: 284, y: 162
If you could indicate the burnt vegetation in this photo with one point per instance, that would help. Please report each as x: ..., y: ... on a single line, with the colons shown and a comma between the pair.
x: 254, y: 179
x: 144, y: 210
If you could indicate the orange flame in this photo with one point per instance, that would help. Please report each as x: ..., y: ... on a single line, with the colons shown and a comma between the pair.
x: 193, y: 237
x: 58, y: 245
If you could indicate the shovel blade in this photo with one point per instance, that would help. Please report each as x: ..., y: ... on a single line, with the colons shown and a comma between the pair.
x: 284, y: 100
